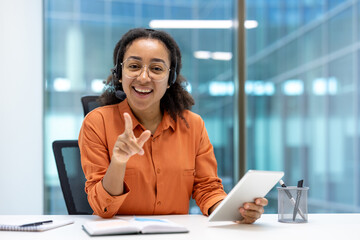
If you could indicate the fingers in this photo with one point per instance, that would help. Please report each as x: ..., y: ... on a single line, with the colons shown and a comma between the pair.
x: 249, y: 216
x: 129, y: 131
x: 261, y: 201
x: 130, y: 145
x: 144, y: 137
x: 247, y: 220
x: 127, y: 144
x: 141, y: 140
x: 252, y: 211
x: 128, y: 125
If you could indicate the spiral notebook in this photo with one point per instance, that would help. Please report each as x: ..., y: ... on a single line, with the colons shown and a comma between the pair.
x: 39, y: 228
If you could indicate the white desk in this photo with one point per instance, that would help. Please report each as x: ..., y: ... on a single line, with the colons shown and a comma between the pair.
x: 320, y: 226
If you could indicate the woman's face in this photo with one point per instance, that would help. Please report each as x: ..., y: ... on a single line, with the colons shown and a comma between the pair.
x: 142, y: 92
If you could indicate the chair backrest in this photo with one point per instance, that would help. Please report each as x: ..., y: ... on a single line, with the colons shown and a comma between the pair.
x: 89, y: 103
x: 72, y: 179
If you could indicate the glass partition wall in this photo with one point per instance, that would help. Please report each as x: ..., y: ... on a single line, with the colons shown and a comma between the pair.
x: 302, y: 92
x: 79, y: 39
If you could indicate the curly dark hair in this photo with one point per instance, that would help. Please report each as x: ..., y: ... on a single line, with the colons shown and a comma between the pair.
x: 176, y: 98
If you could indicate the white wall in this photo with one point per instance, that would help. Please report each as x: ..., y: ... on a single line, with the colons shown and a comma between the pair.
x: 21, y: 107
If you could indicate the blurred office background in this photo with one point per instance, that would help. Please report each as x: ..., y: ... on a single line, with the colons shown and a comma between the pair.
x: 301, y: 83
x: 302, y: 88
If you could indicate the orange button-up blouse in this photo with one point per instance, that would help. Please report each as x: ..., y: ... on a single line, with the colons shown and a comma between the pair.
x: 178, y: 162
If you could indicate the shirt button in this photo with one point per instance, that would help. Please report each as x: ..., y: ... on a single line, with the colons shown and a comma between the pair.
x: 158, y: 170
x: 158, y: 203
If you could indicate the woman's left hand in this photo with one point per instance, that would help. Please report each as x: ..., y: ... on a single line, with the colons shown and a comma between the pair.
x: 252, y: 211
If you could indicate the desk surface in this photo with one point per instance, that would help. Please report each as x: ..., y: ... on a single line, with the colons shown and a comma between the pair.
x: 320, y: 226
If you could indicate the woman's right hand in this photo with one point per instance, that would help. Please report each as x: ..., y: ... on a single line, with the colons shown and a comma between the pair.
x: 127, y: 144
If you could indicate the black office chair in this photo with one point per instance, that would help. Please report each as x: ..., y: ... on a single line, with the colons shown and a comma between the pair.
x: 72, y: 179
x: 89, y: 103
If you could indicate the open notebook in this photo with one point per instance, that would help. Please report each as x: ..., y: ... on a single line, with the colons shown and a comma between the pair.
x: 39, y: 228
x: 134, y: 226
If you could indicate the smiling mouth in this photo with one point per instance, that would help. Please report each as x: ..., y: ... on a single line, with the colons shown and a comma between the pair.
x: 142, y: 91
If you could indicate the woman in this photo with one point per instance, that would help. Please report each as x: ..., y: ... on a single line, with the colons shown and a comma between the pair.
x: 145, y: 152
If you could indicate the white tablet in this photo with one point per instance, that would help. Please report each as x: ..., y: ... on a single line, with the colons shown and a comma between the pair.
x: 254, y: 184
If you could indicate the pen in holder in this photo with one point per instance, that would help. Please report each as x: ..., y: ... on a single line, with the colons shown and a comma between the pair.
x: 298, y: 197
x: 292, y: 204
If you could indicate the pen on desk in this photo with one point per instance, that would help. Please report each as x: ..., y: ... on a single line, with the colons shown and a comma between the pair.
x: 35, y: 223
x: 292, y: 200
x: 298, y: 195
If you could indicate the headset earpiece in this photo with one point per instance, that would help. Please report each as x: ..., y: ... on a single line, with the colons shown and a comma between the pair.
x: 173, y: 75
x: 174, y: 78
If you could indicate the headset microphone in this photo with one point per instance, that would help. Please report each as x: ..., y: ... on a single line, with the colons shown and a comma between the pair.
x: 120, y: 95
x: 114, y: 72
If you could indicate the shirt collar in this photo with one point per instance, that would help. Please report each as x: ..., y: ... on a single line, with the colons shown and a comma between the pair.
x: 168, y: 122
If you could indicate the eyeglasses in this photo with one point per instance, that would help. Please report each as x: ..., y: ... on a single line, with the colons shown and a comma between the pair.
x: 157, y: 71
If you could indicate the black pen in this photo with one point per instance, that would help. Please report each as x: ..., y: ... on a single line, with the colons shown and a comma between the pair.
x: 298, y: 195
x: 292, y: 200
x: 35, y: 224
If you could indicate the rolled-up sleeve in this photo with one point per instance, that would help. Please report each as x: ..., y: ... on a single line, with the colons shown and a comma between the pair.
x: 208, y: 189
x: 95, y: 160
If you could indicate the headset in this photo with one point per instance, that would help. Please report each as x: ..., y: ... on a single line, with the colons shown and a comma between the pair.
x: 173, y: 75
